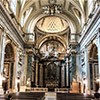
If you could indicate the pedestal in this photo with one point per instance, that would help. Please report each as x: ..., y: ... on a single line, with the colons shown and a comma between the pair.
x: 1, y: 89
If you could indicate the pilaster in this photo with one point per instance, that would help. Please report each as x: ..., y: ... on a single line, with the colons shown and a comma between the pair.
x: 3, y: 43
x: 87, y: 70
x: 36, y: 74
x: 29, y: 68
x: 60, y: 67
x: 67, y: 73
x: 73, y: 63
x: 2, y: 49
x: 41, y: 75
x: 62, y: 76
x: 98, y: 45
x: 33, y: 74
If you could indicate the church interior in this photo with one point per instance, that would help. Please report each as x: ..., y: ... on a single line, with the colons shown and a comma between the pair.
x: 49, y: 46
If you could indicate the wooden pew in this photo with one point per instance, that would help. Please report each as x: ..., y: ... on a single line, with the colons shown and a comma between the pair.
x: 73, y: 96
x: 28, y: 96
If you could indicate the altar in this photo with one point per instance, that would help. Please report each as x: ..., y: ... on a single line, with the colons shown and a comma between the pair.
x: 51, y: 85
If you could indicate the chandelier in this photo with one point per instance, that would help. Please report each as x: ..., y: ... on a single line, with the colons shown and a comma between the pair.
x: 52, y: 8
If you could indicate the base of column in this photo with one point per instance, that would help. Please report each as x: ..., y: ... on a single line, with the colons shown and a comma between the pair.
x: 1, y: 90
x: 22, y: 88
x: 99, y: 90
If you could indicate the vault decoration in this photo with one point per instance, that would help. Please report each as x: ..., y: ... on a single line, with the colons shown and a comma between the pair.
x: 52, y: 24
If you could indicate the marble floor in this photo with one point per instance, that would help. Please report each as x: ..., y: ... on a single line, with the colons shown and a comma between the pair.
x: 50, y: 96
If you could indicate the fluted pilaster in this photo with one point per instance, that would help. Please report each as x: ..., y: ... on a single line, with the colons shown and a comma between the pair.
x: 2, y: 49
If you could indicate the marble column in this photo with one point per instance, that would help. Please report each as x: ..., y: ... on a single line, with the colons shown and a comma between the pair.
x: 60, y: 75
x: 2, y: 52
x: 98, y: 44
x: 63, y: 75
x: 1, y: 31
x: 67, y: 73
x: 73, y: 66
x: 41, y: 76
x: 1, y: 89
x: 33, y: 75
x: 36, y: 73
x: 87, y: 70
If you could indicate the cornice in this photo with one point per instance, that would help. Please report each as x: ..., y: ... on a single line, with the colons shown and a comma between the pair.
x: 59, y: 33
x: 1, y: 28
x: 11, y: 24
x: 90, y: 25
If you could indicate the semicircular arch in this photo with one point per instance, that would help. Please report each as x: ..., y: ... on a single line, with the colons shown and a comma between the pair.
x: 32, y: 22
x: 58, y: 38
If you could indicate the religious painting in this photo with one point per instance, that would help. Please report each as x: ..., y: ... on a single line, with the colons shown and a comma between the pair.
x: 51, y: 71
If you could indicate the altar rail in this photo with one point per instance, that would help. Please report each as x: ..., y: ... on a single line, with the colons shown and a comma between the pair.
x: 37, y: 89
x: 62, y: 90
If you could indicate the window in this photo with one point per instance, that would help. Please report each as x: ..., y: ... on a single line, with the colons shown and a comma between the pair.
x: 13, y: 4
x: 25, y: 16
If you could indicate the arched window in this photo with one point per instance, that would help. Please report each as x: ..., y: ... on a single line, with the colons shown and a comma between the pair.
x: 25, y: 16
x: 13, y: 4
x: 90, y: 5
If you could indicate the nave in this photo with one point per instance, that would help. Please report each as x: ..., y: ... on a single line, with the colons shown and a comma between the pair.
x: 49, y: 45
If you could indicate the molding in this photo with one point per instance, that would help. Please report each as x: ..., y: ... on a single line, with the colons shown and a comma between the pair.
x: 91, y: 30
x: 60, y: 33
x: 37, y: 17
x: 1, y: 28
x: 43, y: 39
x: 10, y: 26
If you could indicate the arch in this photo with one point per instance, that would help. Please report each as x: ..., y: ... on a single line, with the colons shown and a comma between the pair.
x: 9, y: 64
x: 68, y: 18
x: 93, y: 66
x: 25, y: 7
x: 9, y: 52
x: 44, y: 39
x: 93, y: 51
x: 12, y: 46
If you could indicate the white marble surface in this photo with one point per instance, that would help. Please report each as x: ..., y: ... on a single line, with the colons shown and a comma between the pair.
x: 50, y: 96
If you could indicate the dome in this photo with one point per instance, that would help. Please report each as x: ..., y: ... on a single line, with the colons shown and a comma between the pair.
x: 52, y: 24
